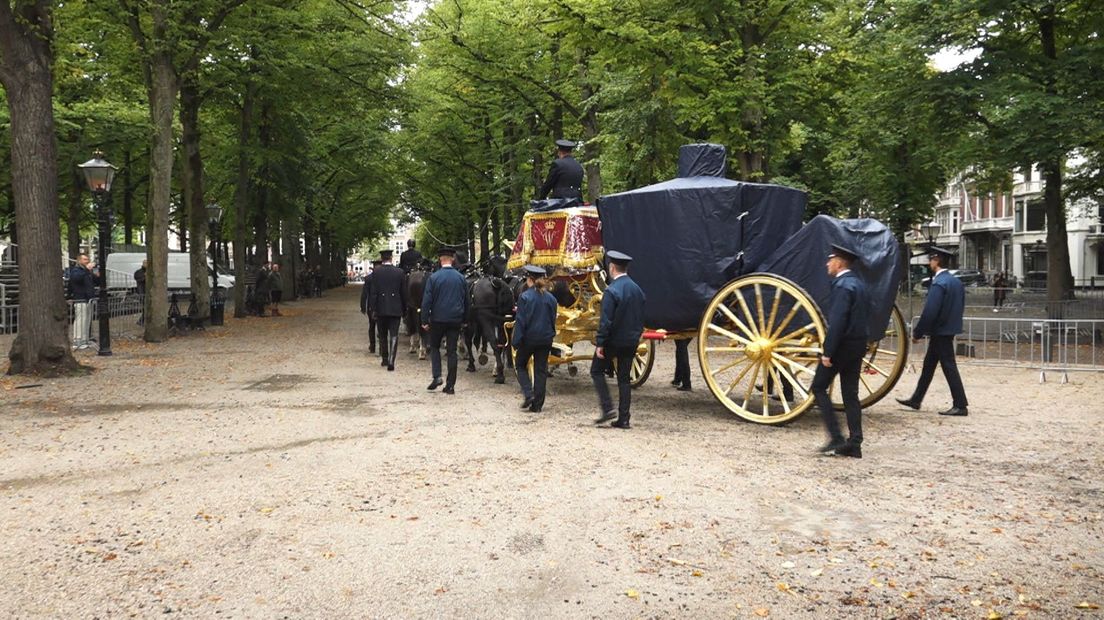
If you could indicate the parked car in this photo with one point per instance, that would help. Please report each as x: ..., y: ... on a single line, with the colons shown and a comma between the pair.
x: 968, y: 277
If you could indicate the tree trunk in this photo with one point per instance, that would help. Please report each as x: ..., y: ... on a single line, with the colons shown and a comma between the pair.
x: 128, y: 202
x: 73, y: 219
x: 592, y: 149
x: 241, y: 198
x: 1059, y: 275
x: 194, y: 203
x: 310, y: 239
x: 288, y: 263
x: 42, y: 344
x: 162, y: 97
x: 753, y: 161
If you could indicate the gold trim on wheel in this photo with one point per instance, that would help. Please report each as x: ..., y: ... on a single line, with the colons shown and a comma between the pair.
x: 883, y: 365
x: 759, y: 342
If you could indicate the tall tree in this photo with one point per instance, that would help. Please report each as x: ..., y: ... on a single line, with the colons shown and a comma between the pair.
x: 26, y: 39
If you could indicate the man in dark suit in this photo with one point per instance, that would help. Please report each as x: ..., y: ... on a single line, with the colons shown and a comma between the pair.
x: 387, y: 302
x: 844, y: 347
x: 365, y: 299
x: 565, y: 179
x: 410, y: 258
x: 619, y: 329
x: 941, y: 321
x: 444, y: 307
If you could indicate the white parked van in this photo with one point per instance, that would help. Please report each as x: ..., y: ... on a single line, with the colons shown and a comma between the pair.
x: 122, y: 265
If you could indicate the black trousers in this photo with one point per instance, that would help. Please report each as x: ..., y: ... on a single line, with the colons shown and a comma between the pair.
x: 598, y: 366
x: 847, y: 363
x: 450, y: 334
x: 539, y: 354
x: 388, y: 334
x: 682, y: 362
x: 941, y: 353
x: 373, y: 329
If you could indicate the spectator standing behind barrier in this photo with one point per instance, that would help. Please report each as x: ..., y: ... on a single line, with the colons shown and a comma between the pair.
x: 387, y: 302
x: 275, y: 288
x: 140, y: 287
x: 534, y: 331
x: 83, y: 284
x: 444, y: 306
x: 941, y: 321
x: 619, y: 329
x: 844, y: 347
x: 1000, y: 290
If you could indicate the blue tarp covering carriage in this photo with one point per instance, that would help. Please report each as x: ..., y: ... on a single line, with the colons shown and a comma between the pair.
x: 690, y: 235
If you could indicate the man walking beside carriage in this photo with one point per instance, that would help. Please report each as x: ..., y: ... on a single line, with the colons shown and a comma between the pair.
x: 844, y: 347
x: 534, y: 331
x: 387, y: 302
x: 619, y: 329
x: 444, y: 306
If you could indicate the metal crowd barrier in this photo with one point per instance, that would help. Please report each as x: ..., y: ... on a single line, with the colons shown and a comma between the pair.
x: 1047, y: 345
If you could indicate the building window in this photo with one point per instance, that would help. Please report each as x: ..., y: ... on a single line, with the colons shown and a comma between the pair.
x: 1027, y: 174
x: 1100, y: 260
x: 1036, y: 216
x: 954, y: 221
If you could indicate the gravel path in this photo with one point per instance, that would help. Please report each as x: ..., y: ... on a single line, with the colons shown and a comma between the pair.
x: 272, y: 468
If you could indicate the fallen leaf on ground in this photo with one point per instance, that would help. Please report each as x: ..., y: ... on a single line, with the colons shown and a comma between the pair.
x: 696, y: 573
x: 676, y: 562
x: 632, y: 593
x: 816, y: 573
x: 1086, y: 605
x: 267, y: 510
x: 762, y: 612
x: 993, y: 615
x: 788, y: 565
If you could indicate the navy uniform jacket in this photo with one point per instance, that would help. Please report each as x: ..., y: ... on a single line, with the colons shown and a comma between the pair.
x: 366, y: 293
x: 536, y: 318
x: 942, y: 315
x: 565, y: 179
x: 387, y: 297
x: 409, y: 259
x: 446, y: 297
x: 847, y: 312
x: 83, y: 283
x: 622, y: 319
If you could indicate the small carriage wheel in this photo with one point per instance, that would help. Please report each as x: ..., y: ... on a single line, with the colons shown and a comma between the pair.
x: 759, y: 343
x: 883, y: 365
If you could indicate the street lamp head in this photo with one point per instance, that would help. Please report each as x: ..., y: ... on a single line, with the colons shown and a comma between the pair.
x: 930, y: 229
x: 98, y: 173
x: 214, y: 213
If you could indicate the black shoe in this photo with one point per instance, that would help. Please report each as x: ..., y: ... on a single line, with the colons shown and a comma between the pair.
x: 449, y: 390
x: 908, y: 402
x: 830, y: 448
x: 471, y: 368
x: 535, y: 409
x: 371, y: 349
x: 436, y: 383
x: 852, y: 450
x: 383, y: 362
x: 685, y: 387
x: 620, y: 424
x: 606, y: 417
x: 957, y: 411
x: 527, y: 403
x: 390, y: 367
x: 499, y: 380
x: 676, y: 383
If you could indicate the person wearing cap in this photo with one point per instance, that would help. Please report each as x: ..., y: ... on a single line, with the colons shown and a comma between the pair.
x: 534, y: 330
x: 365, y: 307
x: 409, y: 259
x: 941, y: 321
x: 565, y: 178
x: 444, y: 307
x: 619, y: 328
x: 843, y: 350
x: 387, y: 302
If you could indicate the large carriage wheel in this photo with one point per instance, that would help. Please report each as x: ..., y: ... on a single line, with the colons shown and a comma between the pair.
x: 642, y: 363
x: 883, y: 365
x: 759, y: 342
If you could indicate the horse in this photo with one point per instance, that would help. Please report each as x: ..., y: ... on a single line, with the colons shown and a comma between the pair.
x: 415, y: 287
x: 490, y: 299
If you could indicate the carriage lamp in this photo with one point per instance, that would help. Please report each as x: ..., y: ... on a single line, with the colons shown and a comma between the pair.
x: 98, y: 173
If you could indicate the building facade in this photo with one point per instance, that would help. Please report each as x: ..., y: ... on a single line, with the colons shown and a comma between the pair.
x: 994, y: 232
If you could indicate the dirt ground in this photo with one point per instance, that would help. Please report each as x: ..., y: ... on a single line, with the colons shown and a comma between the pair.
x: 272, y: 468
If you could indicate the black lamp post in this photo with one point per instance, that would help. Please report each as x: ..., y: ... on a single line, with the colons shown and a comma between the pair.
x: 218, y: 304
x: 930, y: 230
x: 98, y: 173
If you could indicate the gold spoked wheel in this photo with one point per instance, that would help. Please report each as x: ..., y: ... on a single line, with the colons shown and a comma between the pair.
x: 883, y: 365
x: 642, y: 363
x: 758, y: 345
